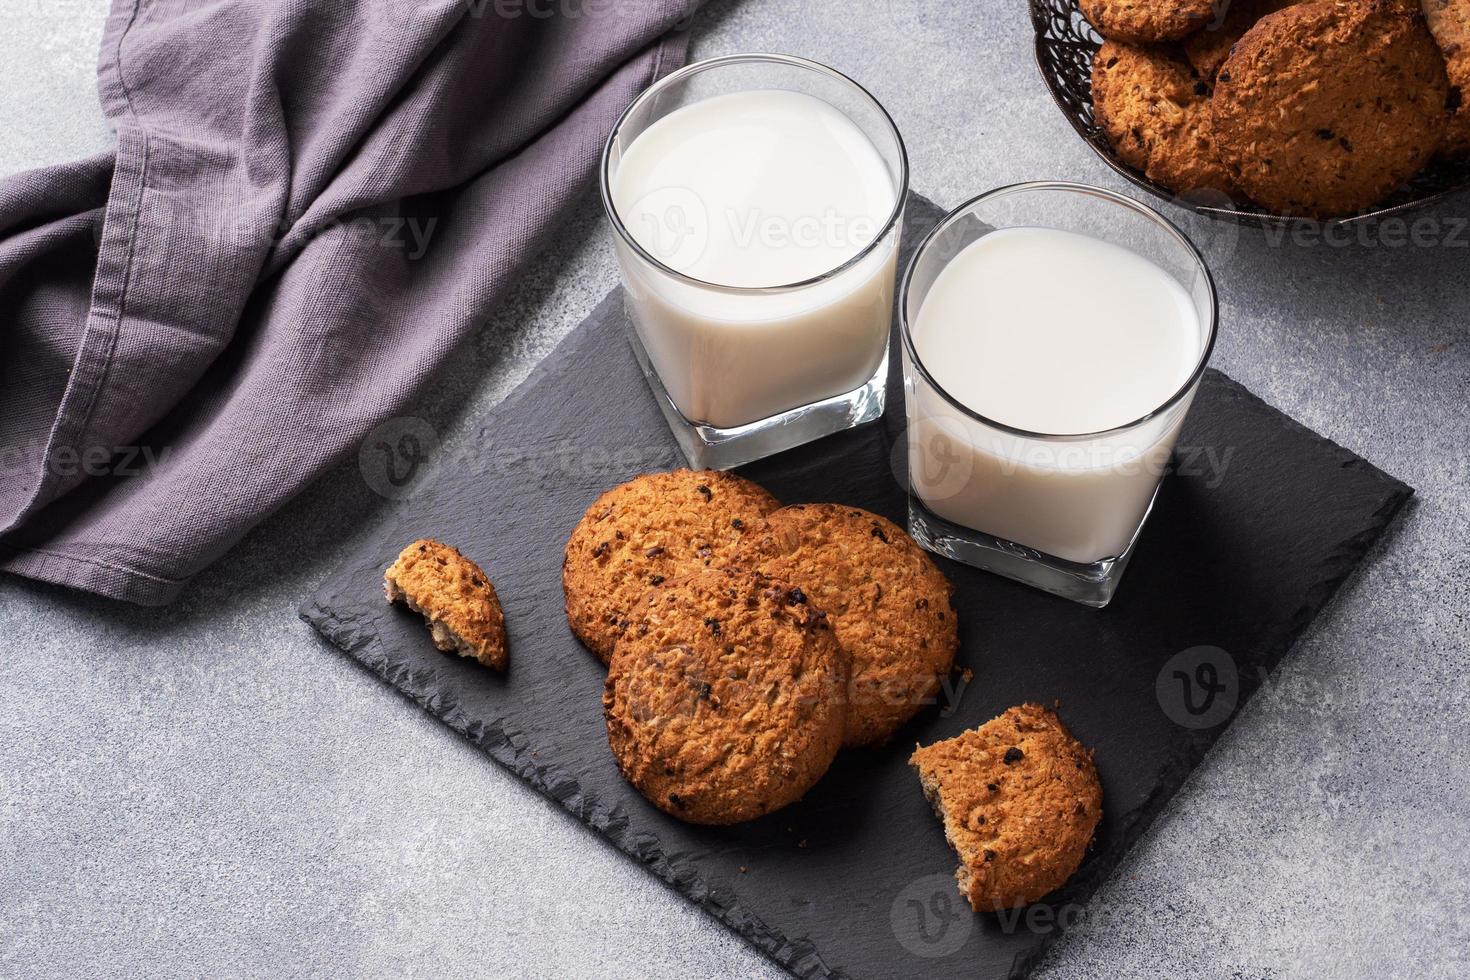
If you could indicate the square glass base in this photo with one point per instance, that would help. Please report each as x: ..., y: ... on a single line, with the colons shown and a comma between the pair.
x: 709, y: 448
x: 1092, y: 585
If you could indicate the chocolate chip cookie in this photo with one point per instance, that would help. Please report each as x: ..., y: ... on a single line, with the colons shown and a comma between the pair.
x: 1449, y: 22
x: 1020, y: 800
x: 455, y: 598
x: 889, y: 606
x: 1147, y: 21
x: 1208, y: 48
x: 1324, y: 108
x: 1156, y: 112
x: 652, y: 529
x: 724, y: 697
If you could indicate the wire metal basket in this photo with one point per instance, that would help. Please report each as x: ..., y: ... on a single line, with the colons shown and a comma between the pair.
x: 1065, y: 45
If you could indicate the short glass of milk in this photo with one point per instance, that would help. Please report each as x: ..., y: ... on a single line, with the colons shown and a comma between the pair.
x: 757, y: 203
x: 1054, y: 336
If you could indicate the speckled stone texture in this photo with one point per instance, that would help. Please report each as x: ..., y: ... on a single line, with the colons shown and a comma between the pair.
x: 205, y: 789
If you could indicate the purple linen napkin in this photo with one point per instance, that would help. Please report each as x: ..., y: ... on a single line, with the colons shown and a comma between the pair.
x: 310, y: 204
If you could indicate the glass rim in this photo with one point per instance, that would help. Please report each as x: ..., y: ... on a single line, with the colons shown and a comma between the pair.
x: 724, y: 61
x: 1068, y: 187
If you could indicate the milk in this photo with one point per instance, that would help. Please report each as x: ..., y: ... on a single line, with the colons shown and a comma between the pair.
x: 745, y: 192
x: 1058, y: 333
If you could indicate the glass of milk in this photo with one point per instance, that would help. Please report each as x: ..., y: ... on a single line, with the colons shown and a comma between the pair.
x: 757, y: 203
x: 1054, y: 336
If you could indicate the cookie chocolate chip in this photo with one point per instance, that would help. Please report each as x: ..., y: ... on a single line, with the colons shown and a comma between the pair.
x: 724, y: 702
x: 1368, y: 72
x: 1147, y: 21
x: 455, y: 598
x: 889, y: 606
x: 639, y: 535
x: 1449, y: 22
x: 1020, y: 800
x: 1156, y: 112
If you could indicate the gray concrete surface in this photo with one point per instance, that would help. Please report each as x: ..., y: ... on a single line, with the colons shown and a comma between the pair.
x: 210, y: 790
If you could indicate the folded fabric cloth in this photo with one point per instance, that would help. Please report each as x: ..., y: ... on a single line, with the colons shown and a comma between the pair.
x: 311, y: 202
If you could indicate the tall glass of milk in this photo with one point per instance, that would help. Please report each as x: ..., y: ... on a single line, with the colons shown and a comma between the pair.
x: 757, y: 203
x: 1054, y: 336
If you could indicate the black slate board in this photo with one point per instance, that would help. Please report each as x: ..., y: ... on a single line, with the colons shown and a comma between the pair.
x: 856, y: 879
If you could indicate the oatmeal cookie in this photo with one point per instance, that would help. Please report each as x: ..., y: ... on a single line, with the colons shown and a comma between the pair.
x: 652, y: 529
x: 1449, y: 22
x: 455, y: 598
x: 889, y: 606
x: 1156, y: 113
x: 1207, y: 49
x: 1324, y: 108
x: 1019, y: 798
x: 724, y: 698
x: 1147, y: 21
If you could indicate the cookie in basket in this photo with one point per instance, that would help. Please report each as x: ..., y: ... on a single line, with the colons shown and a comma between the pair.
x: 1156, y: 113
x: 1325, y: 108
x: 651, y: 529
x: 888, y: 602
x: 1147, y: 21
x: 1449, y: 22
x: 1020, y: 800
x: 1207, y: 49
x: 723, y: 700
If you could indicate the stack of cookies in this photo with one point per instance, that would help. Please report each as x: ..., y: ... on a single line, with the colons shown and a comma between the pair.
x: 747, y: 643
x: 1313, y: 109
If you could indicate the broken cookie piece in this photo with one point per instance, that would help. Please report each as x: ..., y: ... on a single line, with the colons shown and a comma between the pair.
x: 455, y: 598
x: 1019, y: 798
